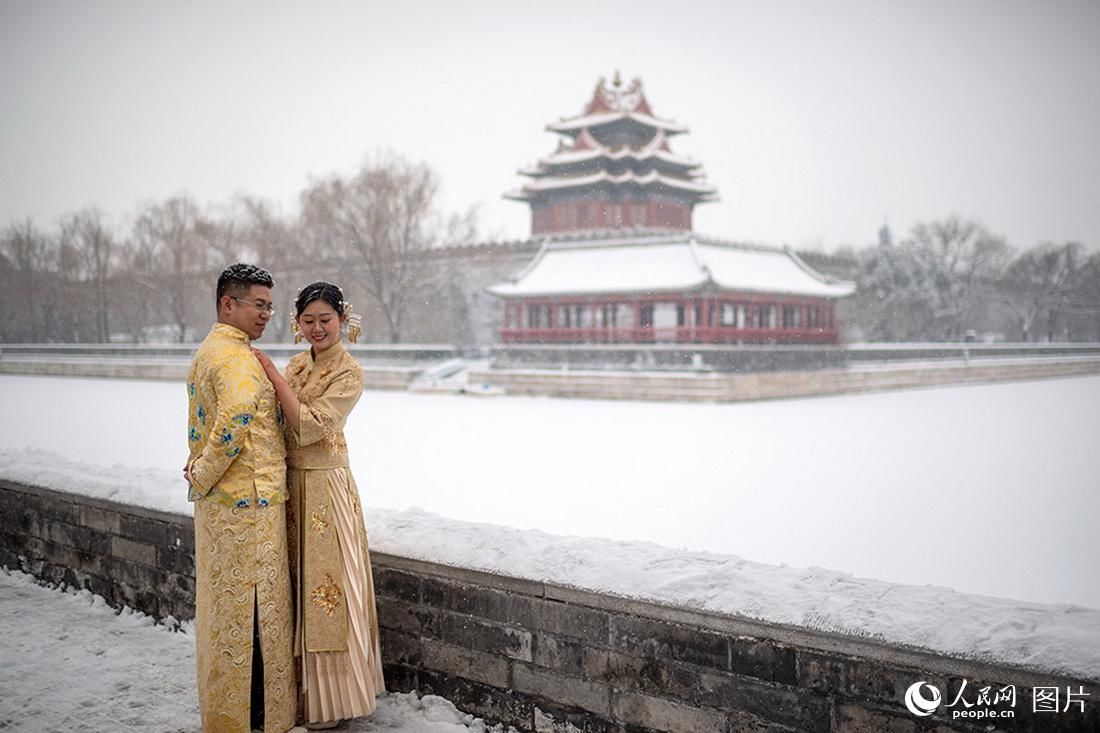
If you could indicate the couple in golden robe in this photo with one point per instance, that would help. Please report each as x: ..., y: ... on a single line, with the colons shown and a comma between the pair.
x: 285, y: 624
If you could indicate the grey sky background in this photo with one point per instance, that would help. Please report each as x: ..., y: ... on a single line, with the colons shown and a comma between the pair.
x: 816, y: 120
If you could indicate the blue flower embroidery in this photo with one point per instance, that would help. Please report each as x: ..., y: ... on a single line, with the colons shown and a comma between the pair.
x: 191, y: 388
x: 263, y: 502
x: 202, y: 415
x: 242, y: 503
x: 227, y: 436
x: 233, y: 452
x: 193, y: 434
x: 243, y: 419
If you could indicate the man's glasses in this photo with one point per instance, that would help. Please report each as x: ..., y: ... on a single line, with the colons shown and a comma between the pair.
x: 262, y: 305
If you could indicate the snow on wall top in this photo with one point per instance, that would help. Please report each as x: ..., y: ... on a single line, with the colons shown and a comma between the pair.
x: 666, y: 264
x: 1050, y: 637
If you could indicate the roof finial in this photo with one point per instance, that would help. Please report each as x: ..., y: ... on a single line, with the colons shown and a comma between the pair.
x: 618, y: 80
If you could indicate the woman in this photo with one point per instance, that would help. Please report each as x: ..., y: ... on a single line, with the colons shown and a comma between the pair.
x: 336, y: 633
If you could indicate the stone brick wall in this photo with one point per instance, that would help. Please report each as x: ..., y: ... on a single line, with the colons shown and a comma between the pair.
x: 544, y: 657
x: 722, y: 387
x: 131, y: 556
x: 669, y: 357
x: 384, y: 367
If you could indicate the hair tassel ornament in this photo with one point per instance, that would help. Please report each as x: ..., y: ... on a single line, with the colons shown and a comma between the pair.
x: 355, y: 323
x: 294, y: 328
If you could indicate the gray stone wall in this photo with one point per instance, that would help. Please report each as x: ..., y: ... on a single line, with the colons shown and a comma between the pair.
x: 131, y: 556
x: 544, y: 657
x: 669, y: 357
x: 708, y: 386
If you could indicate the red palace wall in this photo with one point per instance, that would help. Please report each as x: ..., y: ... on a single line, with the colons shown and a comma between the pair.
x: 628, y: 319
x: 594, y: 213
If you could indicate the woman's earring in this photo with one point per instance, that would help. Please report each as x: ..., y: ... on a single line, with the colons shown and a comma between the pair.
x: 295, y: 330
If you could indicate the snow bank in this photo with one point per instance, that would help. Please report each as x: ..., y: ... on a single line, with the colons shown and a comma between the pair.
x: 72, y: 663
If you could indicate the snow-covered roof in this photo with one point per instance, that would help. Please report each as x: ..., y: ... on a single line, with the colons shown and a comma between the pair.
x: 649, y: 152
x: 574, y: 125
x: 649, y: 179
x: 669, y: 263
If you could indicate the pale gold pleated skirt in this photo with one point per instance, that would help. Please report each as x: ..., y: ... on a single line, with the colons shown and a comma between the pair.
x: 340, y: 685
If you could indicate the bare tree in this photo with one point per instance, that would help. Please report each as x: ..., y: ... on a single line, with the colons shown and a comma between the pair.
x: 272, y: 242
x: 30, y: 253
x: 86, y: 239
x: 891, y: 302
x: 171, y: 255
x: 1039, y: 282
x: 219, y: 235
x: 382, y: 216
x: 958, y: 262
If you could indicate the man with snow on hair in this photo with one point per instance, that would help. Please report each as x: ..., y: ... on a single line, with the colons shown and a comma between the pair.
x: 236, y: 475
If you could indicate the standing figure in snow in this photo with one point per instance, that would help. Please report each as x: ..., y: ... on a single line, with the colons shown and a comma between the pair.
x: 236, y: 475
x: 337, y: 624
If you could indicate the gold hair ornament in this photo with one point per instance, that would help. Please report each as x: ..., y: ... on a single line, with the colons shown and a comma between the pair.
x: 354, y: 323
x: 294, y: 328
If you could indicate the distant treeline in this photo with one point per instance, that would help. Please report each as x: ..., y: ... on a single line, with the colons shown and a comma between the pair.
x: 951, y: 279
x: 380, y: 235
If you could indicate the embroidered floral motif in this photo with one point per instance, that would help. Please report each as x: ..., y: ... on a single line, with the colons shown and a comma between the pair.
x: 263, y: 502
x: 202, y: 415
x: 329, y: 430
x: 317, y: 519
x: 226, y: 436
x: 193, y: 434
x: 190, y: 389
x: 242, y: 419
x: 327, y: 596
x: 242, y: 503
x: 233, y: 452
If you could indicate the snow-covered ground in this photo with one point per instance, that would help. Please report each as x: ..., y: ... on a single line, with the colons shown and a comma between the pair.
x: 989, y: 490
x: 72, y: 663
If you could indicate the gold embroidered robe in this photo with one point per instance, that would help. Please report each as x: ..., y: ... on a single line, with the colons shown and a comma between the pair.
x: 241, y: 567
x: 337, y: 635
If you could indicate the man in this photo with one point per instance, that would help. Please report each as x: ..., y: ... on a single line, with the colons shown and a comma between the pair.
x: 236, y: 475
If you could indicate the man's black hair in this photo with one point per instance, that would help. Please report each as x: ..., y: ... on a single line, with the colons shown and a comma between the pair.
x: 237, y: 279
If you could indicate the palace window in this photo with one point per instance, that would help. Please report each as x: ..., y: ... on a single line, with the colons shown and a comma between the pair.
x: 609, y: 315
x: 666, y: 315
x: 624, y: 315
x: 538, y: 316
x: 729, y: 314
x: 764, y: 316
x: 581, y: 317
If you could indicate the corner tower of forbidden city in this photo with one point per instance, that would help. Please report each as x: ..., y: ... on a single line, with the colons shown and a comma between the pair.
x: 618, y: 261
x: 614, y: 168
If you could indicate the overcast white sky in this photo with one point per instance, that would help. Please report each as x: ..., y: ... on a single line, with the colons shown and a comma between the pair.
x: 817, y: 121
